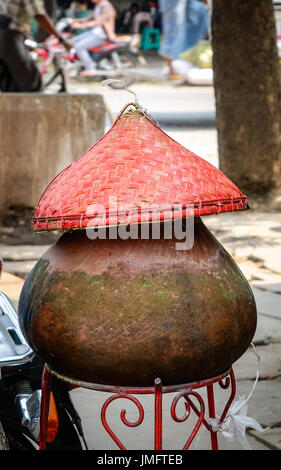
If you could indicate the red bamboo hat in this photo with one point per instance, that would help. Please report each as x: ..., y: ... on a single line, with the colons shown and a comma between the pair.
x: 135, y: 173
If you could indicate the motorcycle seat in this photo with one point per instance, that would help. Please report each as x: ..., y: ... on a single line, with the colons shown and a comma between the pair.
x: 105, y: 46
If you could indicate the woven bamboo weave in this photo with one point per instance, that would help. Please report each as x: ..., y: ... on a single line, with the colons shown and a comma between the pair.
x: 135, y: 172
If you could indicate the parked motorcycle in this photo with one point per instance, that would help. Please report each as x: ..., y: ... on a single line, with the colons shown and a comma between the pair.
x: 20, y: 393
x: 113, y: 59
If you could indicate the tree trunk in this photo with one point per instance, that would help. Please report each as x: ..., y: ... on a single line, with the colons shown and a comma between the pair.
x: 247, y: 91
x: 3, y: 441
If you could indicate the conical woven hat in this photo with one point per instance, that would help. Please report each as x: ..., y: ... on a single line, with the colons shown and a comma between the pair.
x: 133, y: 174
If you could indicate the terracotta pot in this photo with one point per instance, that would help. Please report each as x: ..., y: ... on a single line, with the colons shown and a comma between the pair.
x: 122, y: 312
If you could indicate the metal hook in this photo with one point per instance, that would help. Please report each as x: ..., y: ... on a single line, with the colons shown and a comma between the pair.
x: 138, y: 107
x: 109, y: 81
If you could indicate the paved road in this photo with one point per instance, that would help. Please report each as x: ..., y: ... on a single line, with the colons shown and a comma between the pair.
x: 183, y: 103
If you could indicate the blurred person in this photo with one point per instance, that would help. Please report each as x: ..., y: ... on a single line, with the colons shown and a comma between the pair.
x: 78, y: 10
x: 184, y: 23
x: 102, y: 24
x: 142, y: 19
x: 153, y: 7
x: 15, y: 21
x: 127, y: 17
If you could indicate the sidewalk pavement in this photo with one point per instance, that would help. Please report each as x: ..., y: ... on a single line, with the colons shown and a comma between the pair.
x: 253, y: 239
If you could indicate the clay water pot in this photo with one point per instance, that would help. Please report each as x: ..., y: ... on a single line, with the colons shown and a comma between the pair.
x: 123, y: 312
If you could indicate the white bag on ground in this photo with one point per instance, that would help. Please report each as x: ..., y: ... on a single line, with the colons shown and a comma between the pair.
x: 193, y: 74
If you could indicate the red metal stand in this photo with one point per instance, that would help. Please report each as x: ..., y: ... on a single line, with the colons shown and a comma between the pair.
x: 186, y: 391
